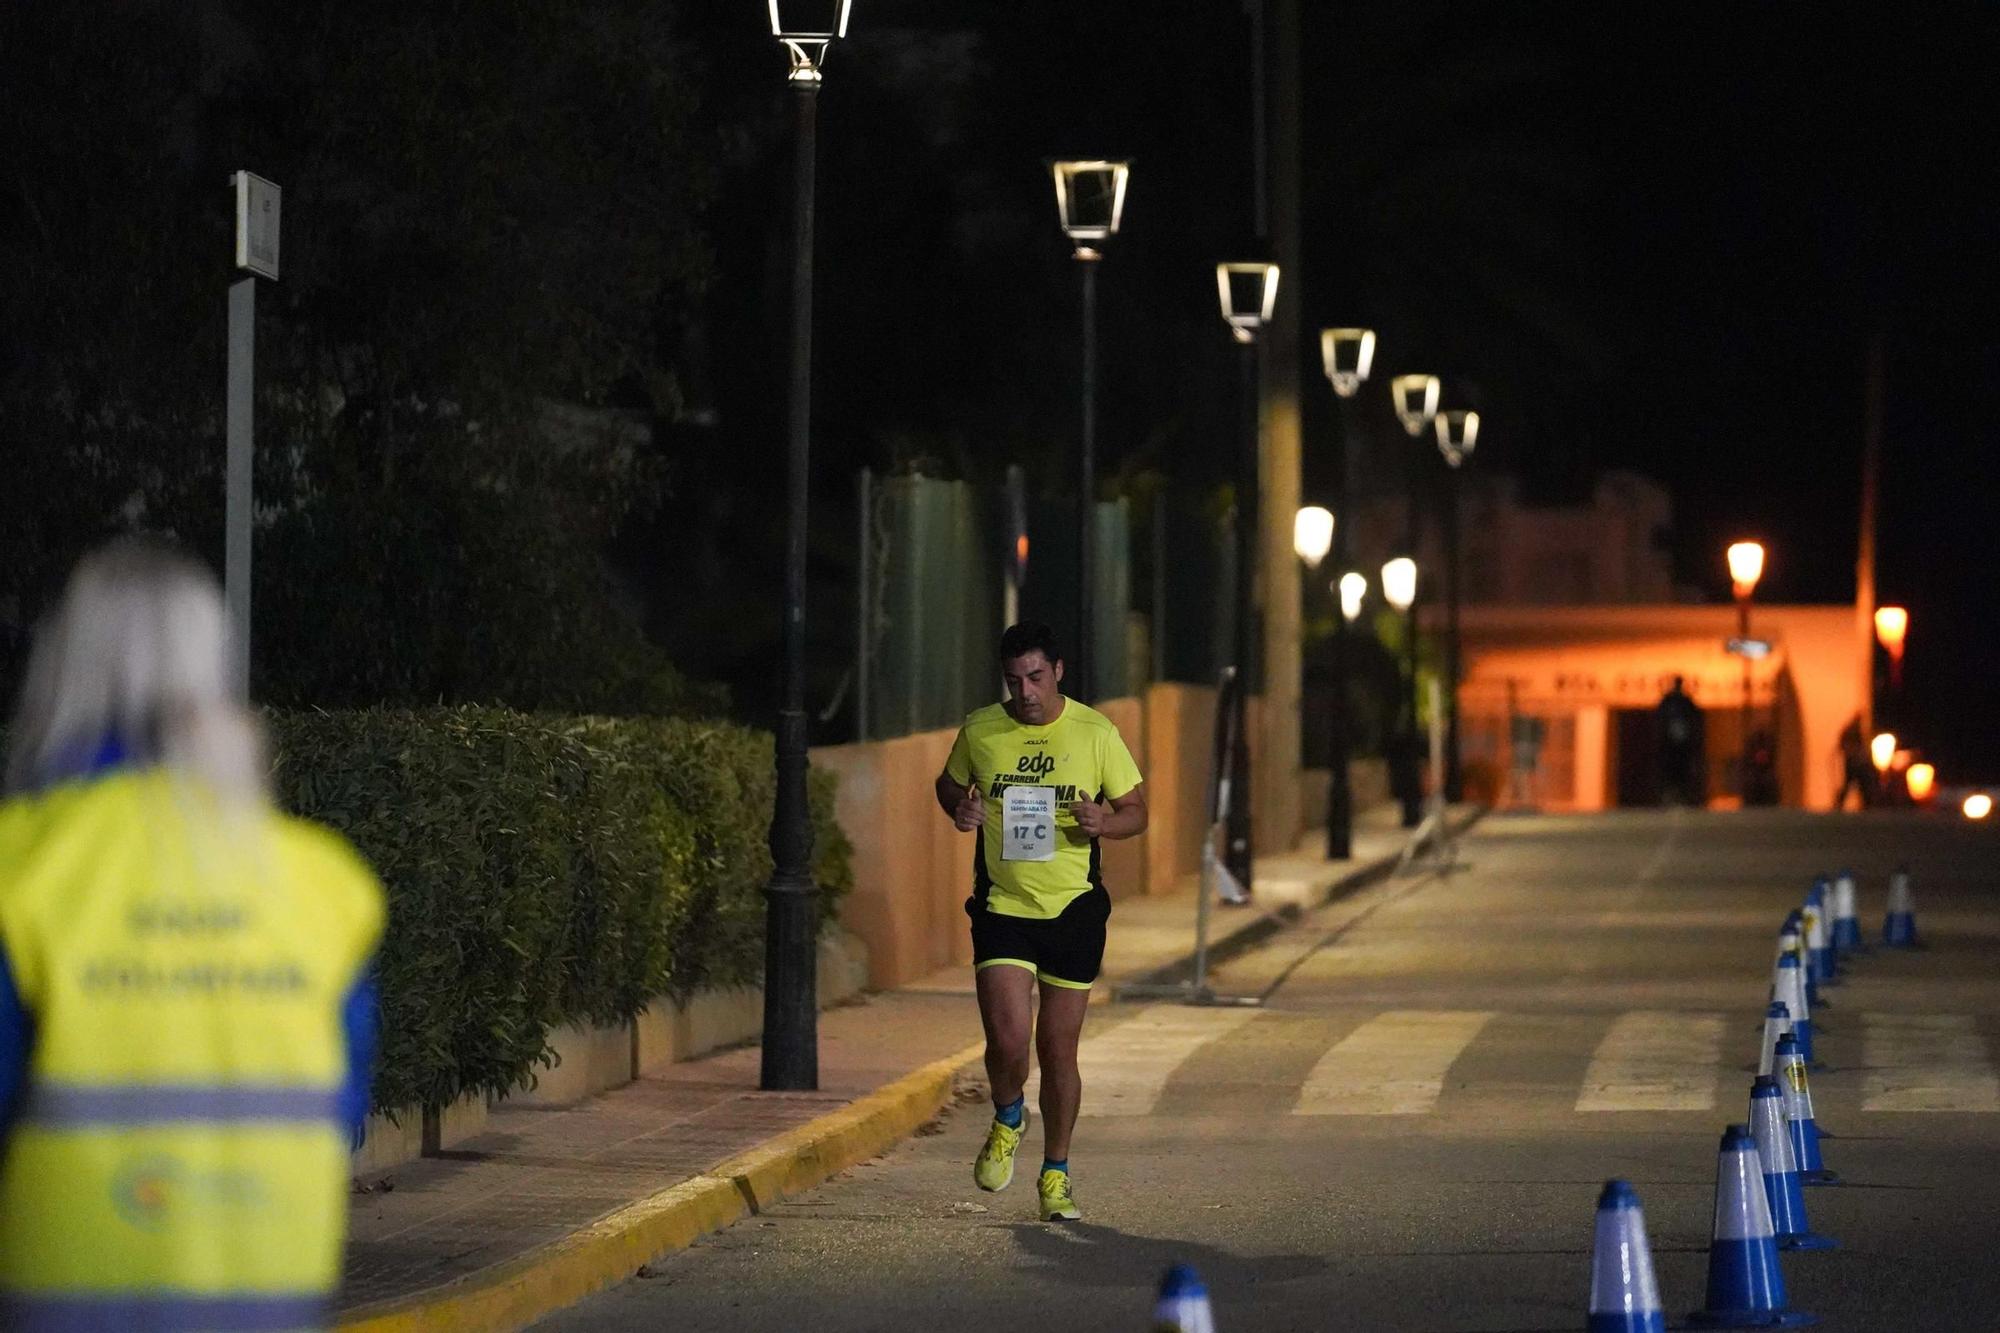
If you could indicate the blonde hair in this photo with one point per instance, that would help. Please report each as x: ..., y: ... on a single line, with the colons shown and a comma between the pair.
x: 137, y: 653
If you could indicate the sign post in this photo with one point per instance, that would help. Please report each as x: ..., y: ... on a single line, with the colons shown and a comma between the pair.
x: 256, y: 254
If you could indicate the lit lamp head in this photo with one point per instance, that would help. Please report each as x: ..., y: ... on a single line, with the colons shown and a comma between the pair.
x: 1746, y: 566
x: 1922, y: 780
x: 1399, y: 583
x: 1312, y: 534
x: 1882, y: 750
x: 1248, y: 294
x: 1090, y: 197
x: 1347, y: 355
x: 1977, y: 806
x: 808, y: 28
x: 1892, y: 624
x: 1457, y: 433
x: 1353, y: 587
x: 1416, y: 401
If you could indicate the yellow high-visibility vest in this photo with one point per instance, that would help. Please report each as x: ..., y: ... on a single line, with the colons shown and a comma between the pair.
x: 177, y: 1158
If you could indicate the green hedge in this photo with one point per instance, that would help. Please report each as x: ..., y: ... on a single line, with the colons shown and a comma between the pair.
x: 543, y: 870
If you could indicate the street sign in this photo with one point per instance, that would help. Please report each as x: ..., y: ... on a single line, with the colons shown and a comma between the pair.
x: 1754, y: 649
x: 256, y: 224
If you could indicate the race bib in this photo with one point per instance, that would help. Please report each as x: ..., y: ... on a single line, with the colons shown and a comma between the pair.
x: 1028, y: 824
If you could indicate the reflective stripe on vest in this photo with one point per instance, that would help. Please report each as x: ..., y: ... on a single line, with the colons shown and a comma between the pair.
x: 72, y: 1107
x: 161, y: 1311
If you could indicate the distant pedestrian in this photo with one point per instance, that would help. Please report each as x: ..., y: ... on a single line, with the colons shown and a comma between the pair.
x: 185, y: 1028
x: 1857, y: 772
x: 1040, y: 778
x: 1681, y: 734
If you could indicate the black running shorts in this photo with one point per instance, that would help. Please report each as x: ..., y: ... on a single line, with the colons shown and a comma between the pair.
x: 1066, y: 950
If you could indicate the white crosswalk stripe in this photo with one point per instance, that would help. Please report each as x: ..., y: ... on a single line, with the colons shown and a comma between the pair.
x: 1653, y: 1061
x: 1394, y: 1064
x: 1127, y: 1067
x: 1926, y: 1062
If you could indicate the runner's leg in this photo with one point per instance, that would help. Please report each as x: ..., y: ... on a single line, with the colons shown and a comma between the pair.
x: 1006, y: 995
x: 1056, y: 1036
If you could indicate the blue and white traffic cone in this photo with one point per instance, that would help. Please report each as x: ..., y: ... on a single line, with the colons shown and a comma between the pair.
x: 1777, y: 1025
x: 1183, y: 1303
x: 1899, y: 927
x: 1846, y: 925
x: 1812, y: 938
x: 1781, y: 1168
x: 1624, y: 1295
x: 1790, y: 991
x: 1792, y: 1082
x: 1746, y: 1288
x: 1825, y: 955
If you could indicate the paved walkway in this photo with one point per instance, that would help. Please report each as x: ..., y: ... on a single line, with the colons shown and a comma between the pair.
x: 538, y: 1175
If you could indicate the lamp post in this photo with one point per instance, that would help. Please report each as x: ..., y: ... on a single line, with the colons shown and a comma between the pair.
x: 1746, y: 566
x: 1457, y: 435
x: 1892, y: 626
x: 1090, y: 199
x: 791, y: 902
x: 1416, y: 400
x: 1247, y: 294
x: 1346, y: 355
x: 1882, y: 753
x: 1353, y: 588
x: 1399, y: 590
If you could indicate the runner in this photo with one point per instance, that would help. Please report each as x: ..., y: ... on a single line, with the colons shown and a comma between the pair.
x: 1041, y: 778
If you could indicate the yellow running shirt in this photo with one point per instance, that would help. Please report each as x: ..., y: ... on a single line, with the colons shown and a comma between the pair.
x: 1027, y: 863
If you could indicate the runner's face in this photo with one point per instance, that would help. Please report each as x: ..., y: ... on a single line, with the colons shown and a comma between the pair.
x: 1034, y: 684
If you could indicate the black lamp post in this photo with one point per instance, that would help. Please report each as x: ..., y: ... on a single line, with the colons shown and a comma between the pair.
x: 1248, y: 294
x: 1457, y: 434
x: 1090, y: 196
x: 1416, y: 398
x: 791, y: 901
x: 1346, y: 355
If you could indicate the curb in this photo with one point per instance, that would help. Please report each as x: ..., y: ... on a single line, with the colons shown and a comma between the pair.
x: 518, y: 1291
x: 1263, y: 926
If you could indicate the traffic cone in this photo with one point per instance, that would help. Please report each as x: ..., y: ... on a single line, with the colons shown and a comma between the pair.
x: 1846, y: 925
x: 1777, y: 1026
x: 1792, y: 1082
x: 1183, y: 1303
x: 1781, y: 1168
x: 1899, y: 927
x: 1624, y: 1295
x: 1789, y: 940
x: 1828, y: 957
x: 1790, y: 991
x: 1746, y: 1288
x: 1812, y: 938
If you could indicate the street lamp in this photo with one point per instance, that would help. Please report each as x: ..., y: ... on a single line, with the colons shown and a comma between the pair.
x: 1090, y: 200
x: 1312, y: 534
x: 1416, y: 401
x: 1921, y: 779
x: 1882, y: 751
x: 1892, y: 625
x: 1399, y: 590
x: 1248, y: 295
x: 1746, y: 566
x: 1457, y: 435
x: 1347, y: 356
x: 1399, y: 583
x: 1977, y: 806
x: 791, y: 902
x: 1353, y: 588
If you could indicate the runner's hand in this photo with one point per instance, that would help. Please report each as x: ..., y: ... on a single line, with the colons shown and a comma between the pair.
x: 971, y: 812
x: 1090, y: 817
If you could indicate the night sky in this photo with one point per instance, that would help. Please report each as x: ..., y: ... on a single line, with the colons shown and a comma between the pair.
x: 1661, y: 244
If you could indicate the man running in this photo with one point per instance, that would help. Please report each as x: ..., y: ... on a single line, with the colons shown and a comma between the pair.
x: 1041, y: 778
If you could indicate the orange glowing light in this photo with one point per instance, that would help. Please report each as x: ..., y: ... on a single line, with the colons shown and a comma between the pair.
x: 1891, y: 624
x: 1922, y: 778
x: 1746, y: 566
x: 1883, y: 751
x: 1977, y: 806
x: 1021, y: 550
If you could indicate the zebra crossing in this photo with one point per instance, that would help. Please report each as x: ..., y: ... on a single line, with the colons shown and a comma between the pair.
x: 1405, y: 1062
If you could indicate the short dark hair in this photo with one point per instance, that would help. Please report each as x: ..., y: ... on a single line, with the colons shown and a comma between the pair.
x: 1030, y: 636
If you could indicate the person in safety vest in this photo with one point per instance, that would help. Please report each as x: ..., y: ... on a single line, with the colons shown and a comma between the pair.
x: 186, y: 1023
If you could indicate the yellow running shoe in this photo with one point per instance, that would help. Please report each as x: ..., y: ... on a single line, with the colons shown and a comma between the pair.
x: 1058, y: 1204
x: 993, y: 1169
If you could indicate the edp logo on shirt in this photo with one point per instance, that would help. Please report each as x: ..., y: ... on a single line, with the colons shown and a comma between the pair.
x: 1037, y: 765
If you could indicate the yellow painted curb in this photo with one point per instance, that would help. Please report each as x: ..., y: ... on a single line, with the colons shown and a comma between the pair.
x: 515, y: 1293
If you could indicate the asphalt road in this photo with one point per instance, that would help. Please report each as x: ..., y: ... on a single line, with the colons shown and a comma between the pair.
x: 1411, y: 1132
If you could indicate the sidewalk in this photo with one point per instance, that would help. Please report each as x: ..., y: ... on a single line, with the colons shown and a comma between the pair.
x: 548, y: 1205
